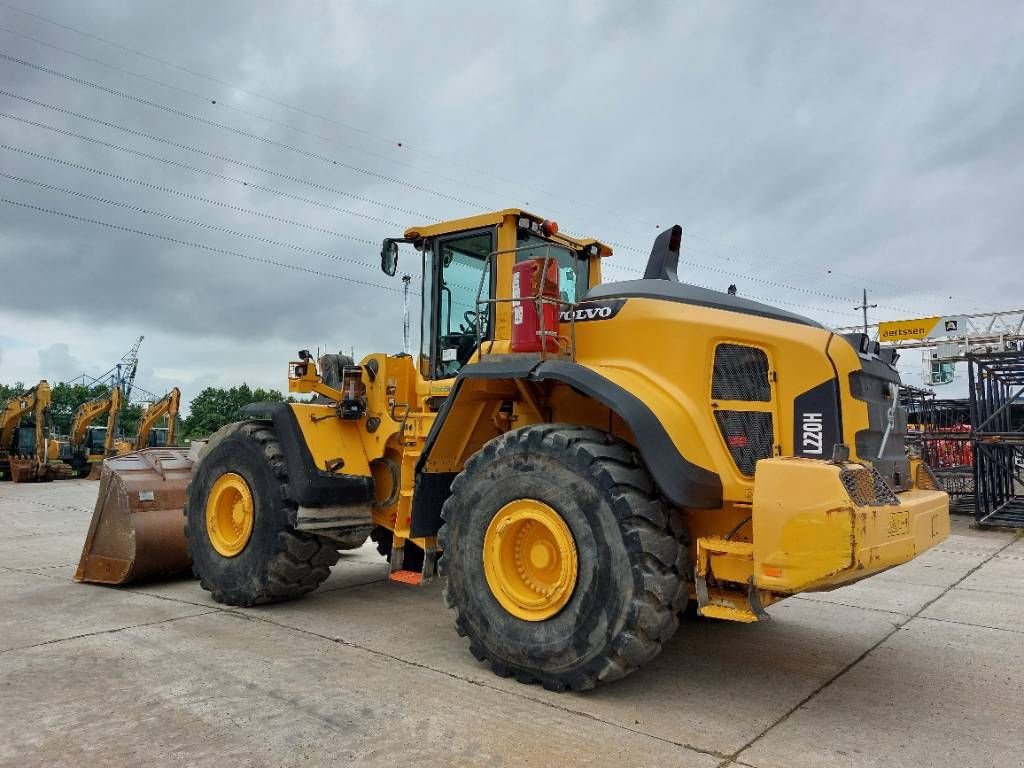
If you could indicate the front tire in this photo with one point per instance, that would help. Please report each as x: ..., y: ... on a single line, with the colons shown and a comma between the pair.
x: 239, y: 522
x: 622, y: 568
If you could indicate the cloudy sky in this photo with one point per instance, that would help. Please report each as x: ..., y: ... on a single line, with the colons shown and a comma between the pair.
x: 808, y: 150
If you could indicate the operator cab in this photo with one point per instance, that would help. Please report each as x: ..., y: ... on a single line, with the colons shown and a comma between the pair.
x: 467, y: 266
x: 157, y: 438
x: 96, y: 440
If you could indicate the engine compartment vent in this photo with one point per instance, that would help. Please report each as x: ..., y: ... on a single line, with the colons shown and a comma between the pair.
x: 867, y: 488
x: 749, y: 436
x: 740, y: 373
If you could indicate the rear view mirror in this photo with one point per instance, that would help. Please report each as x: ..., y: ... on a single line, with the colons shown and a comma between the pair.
x: 389, y: 257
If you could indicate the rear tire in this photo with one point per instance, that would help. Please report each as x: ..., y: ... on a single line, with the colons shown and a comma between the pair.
x: 629, y: 563
x: 277, y: 562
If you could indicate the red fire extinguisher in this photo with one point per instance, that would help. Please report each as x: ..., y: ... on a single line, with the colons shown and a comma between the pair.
x: 528, y: 281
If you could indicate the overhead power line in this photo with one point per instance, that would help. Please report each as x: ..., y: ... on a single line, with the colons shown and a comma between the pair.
x: 207, y: 99
x: 272, y: 142
x: 199, y: 246
x: 212, y: 155
x: 318, y: 156
x: 393, y: 142
x: 405, y: 147
x: 210, y: 100
x: 187, y: 220
x: 193, y: 168
x: 185, y: 195
x: 235, y: 130
x: 224, y: 158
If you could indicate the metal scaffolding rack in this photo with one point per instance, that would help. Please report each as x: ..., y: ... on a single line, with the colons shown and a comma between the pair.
x: 939, y: 433
x: 996, y: 385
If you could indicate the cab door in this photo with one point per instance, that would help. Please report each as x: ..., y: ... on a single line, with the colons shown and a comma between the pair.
x: 458, y: 270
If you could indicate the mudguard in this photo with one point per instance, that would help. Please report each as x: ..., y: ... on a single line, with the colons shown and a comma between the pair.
x: 682, y: 483
x: 310, y: 486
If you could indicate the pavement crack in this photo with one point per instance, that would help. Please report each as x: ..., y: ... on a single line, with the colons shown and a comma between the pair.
x: 478, y: 683
x: 848, y: 605
x: 971, y: 624
x: 896, y: 628
x: 113, y: 631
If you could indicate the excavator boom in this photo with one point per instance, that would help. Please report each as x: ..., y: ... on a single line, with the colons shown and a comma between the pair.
x: 108, y: 403
x: 166, y: 406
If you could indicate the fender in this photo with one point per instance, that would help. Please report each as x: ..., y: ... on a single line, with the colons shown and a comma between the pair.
x: 309, y: 485
x: 681, y: 482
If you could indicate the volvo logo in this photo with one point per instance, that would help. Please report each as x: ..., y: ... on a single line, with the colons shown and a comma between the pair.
x: 592, y: 310
x: 587, y: 313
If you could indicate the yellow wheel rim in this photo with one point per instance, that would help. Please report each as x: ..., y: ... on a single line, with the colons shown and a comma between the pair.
x: 530, y: 560
x: 229, y: 514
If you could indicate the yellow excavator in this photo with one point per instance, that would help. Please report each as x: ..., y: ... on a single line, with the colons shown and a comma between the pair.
x: 89, y: 444
x: 27, y: 453
x: 579, y: 458
x: 149, y: 435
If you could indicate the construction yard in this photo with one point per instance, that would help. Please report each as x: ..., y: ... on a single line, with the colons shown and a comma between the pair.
x: 922, y: 665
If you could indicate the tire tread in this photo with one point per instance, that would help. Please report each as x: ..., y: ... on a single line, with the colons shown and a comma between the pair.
x: 301, y: 562
x: 653, y: 535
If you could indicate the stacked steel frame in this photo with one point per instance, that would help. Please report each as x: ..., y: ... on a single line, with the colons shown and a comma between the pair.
x: 939, y: 433
x: 997, y: 432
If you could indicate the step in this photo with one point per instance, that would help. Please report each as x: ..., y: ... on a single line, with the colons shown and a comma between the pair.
x: 413, y: 578
x: 727, y: 613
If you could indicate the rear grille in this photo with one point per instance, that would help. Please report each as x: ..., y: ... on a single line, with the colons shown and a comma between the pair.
x: 749, y: 436
x: 867, y: 488
x: 926, y: 479
x: 740, y: 373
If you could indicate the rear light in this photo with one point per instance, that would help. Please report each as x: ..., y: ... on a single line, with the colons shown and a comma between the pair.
x: 737, y: 441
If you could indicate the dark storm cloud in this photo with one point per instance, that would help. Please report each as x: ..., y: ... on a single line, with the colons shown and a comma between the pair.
x: 808, y: 150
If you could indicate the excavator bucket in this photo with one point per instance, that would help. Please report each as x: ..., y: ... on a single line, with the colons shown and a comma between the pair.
x: 137, y: 529
x: 95, y: 471
x: 26, y: 471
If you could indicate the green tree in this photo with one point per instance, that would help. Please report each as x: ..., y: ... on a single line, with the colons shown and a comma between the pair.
x: 7, y: 392
x: 128, y: 421
x: 214, y: 407
x: 65, y: 401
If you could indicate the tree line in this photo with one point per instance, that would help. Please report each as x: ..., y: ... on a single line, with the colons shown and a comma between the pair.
x: 211, y: 409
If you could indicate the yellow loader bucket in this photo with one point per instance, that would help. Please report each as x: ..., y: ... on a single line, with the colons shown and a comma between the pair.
x: 137, y: 529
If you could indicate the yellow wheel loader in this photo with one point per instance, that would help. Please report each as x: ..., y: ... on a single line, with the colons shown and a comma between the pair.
x: 578, y: 458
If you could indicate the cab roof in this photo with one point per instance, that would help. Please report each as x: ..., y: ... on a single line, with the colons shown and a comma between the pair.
x: 495, y: 218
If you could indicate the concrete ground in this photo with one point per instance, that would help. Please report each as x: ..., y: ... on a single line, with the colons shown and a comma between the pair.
x: 921, y: 666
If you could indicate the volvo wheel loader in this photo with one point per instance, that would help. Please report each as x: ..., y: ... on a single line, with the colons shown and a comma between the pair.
x: 578, y: 458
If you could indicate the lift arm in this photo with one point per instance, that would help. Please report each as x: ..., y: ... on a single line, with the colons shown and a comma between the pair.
x: 115, y: 411
x: 41, y: 415
x: 167, y: 405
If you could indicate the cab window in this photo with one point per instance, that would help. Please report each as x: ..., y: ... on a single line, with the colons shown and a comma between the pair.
x: 573, y: 272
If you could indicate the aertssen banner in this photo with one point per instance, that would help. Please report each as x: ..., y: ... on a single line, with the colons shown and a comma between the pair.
x: 922, y: 328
